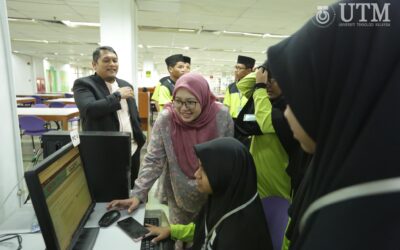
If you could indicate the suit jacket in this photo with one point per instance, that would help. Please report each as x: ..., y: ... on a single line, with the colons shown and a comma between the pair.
x: 98, y: 108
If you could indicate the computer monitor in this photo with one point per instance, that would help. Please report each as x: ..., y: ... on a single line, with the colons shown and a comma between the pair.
x: 61, y: 197
x: 106, y: 158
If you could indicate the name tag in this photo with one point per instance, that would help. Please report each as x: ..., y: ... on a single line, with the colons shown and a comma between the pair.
x: 249, y: 118
x: 75, y: 137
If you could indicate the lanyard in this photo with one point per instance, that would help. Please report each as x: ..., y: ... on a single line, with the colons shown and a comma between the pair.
x: 207, y: 241
x: 391, y: 185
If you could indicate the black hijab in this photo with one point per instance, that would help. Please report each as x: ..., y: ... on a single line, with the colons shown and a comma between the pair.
x: 343, y: 85
x: 298, y: 159
x: 231, y: 172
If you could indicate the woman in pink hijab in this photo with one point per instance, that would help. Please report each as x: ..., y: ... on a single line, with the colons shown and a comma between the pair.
x: 193, y: 117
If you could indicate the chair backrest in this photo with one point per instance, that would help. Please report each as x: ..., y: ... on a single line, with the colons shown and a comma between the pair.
x: 38, y: 99
x: 276, y: 213
x: 39, y: 105
x: 70, y: 106
x: 56, y: 105
x: 31, y: 123
x: 68, y: 95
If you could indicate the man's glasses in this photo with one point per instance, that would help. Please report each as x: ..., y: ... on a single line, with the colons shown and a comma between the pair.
x: 188, y: 104
x: 238, y: 68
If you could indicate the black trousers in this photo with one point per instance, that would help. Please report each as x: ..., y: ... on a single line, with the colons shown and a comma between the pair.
x: 135, y: 165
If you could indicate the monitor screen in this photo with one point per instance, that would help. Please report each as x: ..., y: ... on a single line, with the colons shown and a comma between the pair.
x: 61, y: 198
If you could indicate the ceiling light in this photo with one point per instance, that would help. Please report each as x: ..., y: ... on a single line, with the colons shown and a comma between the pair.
x: 79, y: 24
x: 252, y: 34
x: 29, y: 40
x: 186, y: 48
x: 186, y: 30
x: 22, y: 20
x: 274, y: 36
x: 140, y: 46
x: 250, y: 51
x: 232, y: 32
x: 157, y: 47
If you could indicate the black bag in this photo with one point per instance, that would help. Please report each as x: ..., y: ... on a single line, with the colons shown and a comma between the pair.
x: 244, y: 129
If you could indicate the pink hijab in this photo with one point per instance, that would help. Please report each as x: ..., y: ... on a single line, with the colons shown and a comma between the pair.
x: 185, y: 135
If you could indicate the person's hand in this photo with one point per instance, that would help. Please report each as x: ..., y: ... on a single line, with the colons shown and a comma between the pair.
x: 161, y: 232
x: 261, y: 75
x: 125, y: 92
x: 130, y: 204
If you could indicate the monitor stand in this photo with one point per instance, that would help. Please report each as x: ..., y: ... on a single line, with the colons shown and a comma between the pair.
x: 87, y: 238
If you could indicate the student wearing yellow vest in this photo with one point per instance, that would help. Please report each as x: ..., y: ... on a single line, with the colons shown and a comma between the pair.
x: 164, y: 88
x: 233, y: 99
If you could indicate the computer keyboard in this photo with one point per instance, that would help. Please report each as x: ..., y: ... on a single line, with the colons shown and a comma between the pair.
x: 152, y: 221
x: 146, y: 242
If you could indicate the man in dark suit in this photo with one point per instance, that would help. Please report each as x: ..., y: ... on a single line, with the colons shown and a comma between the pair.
x: 106, y: 103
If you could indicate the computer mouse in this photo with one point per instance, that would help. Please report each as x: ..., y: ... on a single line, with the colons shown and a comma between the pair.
x: 109, y: 218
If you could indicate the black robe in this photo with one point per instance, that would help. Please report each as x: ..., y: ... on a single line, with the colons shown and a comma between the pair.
x: 343, y: 85
x: 232, y: 175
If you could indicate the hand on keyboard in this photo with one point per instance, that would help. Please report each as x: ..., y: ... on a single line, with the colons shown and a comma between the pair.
x: 158, y: 233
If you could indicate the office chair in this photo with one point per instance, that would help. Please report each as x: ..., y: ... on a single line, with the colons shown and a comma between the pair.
x: 38, y: 99
x: 276, y: 214
x: 56, y: 105
x: 68, y: 95
x: 39, y: 105
x: 33, y: 126
x: 42, y: 105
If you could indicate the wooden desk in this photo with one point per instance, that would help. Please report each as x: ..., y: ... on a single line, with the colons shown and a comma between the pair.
x: 23, y: 100
x: 46, y: 95
x: 63, y: 100
x: 51, y: 114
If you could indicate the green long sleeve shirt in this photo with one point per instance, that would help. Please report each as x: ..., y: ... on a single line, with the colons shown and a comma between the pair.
x: 183, y: 232
x: 269, y: 155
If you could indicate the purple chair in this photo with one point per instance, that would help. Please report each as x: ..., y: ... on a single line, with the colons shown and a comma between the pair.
x: 38, y: 99
x: 276, y: 214
x: 68, y: 95
x: 33, y: 126
x: 56, y: 105
x: 39, y: 105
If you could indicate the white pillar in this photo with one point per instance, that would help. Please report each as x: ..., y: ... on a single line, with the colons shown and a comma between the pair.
x: 119, y: 30
x: 11, y: 166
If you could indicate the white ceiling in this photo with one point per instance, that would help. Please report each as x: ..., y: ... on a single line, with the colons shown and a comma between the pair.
x: 213, y: 52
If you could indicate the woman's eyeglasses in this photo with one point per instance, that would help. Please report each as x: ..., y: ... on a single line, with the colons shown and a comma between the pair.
x: 188, y: 104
